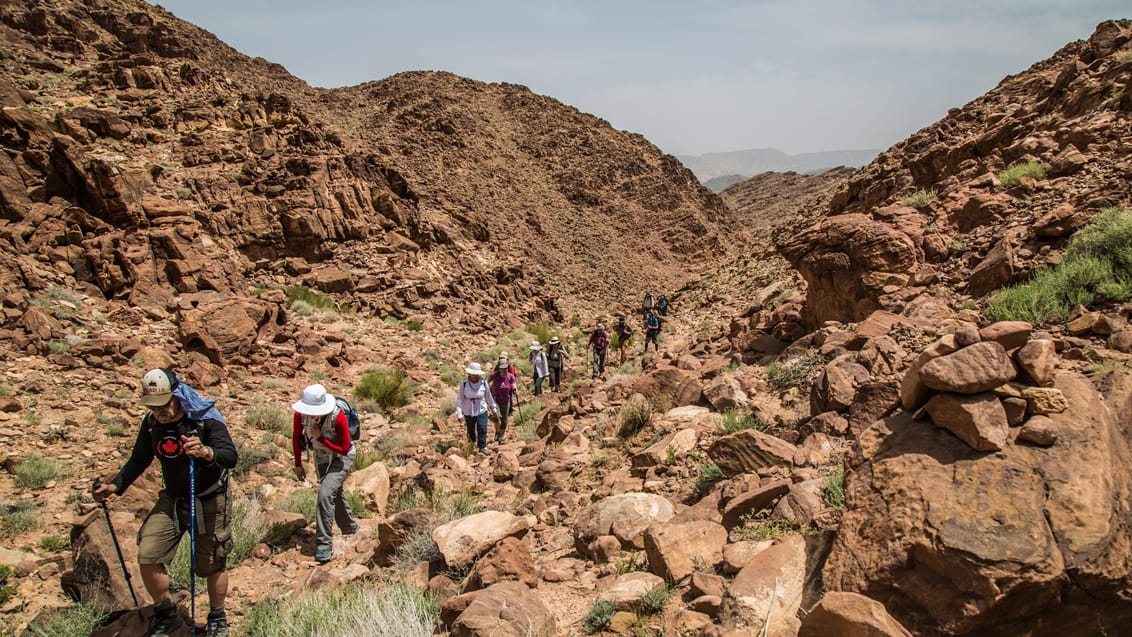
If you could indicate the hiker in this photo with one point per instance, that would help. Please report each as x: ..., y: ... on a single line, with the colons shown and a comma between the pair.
x: 556, y: 356
x: 180, y: 425
x: 539, y: 365
x: 320, y: 425
x: 652, y: 331
x: 502, y: 381
x: 647, y: 304
x: 624, y: 333
x: 473, y: 402
x: 662, y: 305
x: 599, y: 343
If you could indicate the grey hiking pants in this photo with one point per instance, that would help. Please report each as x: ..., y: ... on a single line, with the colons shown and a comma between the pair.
x: 332, y: 505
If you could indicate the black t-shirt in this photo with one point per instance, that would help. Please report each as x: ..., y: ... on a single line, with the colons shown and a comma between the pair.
x: 163, y: 440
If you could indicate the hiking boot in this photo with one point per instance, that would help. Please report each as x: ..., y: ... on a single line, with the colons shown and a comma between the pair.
x: 323, y: 555
x: 353, y: 530
x: 217, y: 625
x: 165, y: 621
x: 499, y: 440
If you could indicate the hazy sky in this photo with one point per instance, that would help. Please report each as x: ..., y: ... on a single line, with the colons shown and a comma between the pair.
x: 692, y: 77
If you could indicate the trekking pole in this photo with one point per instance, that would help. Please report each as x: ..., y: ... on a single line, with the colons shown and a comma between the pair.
x: 192, y: 543
x: 118, y: 548
x: 519, y: 405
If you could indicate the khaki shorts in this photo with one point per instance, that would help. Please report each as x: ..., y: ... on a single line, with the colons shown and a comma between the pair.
x: 161, y: 532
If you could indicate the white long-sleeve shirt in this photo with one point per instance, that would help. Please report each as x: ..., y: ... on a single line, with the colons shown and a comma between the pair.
x: 473, y: 399
x: 539, y: 362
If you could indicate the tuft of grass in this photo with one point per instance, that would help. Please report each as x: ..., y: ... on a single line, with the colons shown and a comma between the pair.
x: 635, y: 414
x: 251, y: 456
x: 733, y: 421
x: 414, y: 325
x: 1097, y: 265
x: 301, y: 501
x: 17, y: 517
x: 635, y: 562
x: 297, y: 294
x: 54, y: 543
x: 789, y: 373
x: 78, y: 620
x: 398, y: 610
x: 540, y: 331
x: 710, y: 473
x: 833, y: 491
x: 760, y: 526
x: 357, y: 503
x: 115, y: 429
x: 269, y: 417
x: 597, y: 619
x: 54, y: 295
x: 451, y: 375
x: 919, y: 198
x: 1015, y: 174
x: 388, y: 388
x: 36, y: 471
x: 655, y: 600
x: 58, y: 347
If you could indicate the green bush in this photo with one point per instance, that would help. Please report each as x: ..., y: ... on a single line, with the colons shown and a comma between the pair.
x: 710, y: 473
x: 787, y: 374
x: 54, y: 543
x: 1097, y: 265
x: 451, y: 375
x: 357, y: 503
x: 414, y: 325
x: 540, y: 331
x: 312, y: 299
x: 269, y: 417
x: 301, y: 501
x: 635, y: 414
x: 597, y: 619
x: 733, y: 422
x: 36, y: 471
x: 655, y: 600
x: 251, y: 456
x: 75, y: 621
x: 395, y: 611
x: 1013, y: 176
x: 833, y: 491
x: 388, y: 388
x: 919, y: 198
x: 17, y: 517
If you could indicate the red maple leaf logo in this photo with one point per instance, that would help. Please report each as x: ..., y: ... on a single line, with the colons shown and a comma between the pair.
x: 169, y: 447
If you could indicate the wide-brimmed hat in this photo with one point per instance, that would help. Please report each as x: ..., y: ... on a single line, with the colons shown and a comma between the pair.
x: 316, y: 401
x: 601, y: 326
x: 157, y: 387
x: 535, y: 345
x: 502, y: 363
x: 474, y: 369
x: 554, y: 340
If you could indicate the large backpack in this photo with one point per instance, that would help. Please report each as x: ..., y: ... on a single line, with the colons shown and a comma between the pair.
x: 352, y: 418
x: 648, y: 303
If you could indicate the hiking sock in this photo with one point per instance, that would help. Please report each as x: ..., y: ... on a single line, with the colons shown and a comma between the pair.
x: 216, y: 613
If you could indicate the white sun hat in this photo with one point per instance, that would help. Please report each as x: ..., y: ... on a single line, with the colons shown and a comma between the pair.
x: 474, y: 369
x: 316, y: 401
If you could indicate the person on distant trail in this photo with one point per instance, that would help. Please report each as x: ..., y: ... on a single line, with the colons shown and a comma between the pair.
x: 539, y: 365
x: 320, y: 425
x: 181, y: 425
x: 662, y: 305
x: 647, y: 304
x: 652, y: 332
x: 624, y: 333
x: 599, y: 343
x: 556, y: 356
x: 473, y: 403
x: 502, y: 381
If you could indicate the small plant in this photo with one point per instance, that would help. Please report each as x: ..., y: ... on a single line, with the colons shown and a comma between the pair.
x: 58, y: 347
x: 540, y: 331
x: 55, y: 295
x: 655, y: 600
x: 269, y: 417
x: 357, y: 504
x: 36, y: 471
x: 451, y: 375
x: 833, y: 491
x: 75, y: 621
x: 115, y: 429
x: 388, y: 388
x: 783, y: 375
x: 301, y: 501
x: 672, y: 455
x: 598, y: 618
x: 414, y: 325
x: 919, y: 198
x: 251, y: 456
x: 635, y: 414
x: 1014, y: 175
x: 319, y: 375
x: 7, y: 591
x: 599, y: 460
x: 313, y: 300
x: 398, y: 610
x: 4, y: 391
x: 17, y: 517
x: 733, y: 421
x: 635, y: 562
x: 54, y: 543
x: 761, y: 526
x: 526, y: 419
x: 710, y: 473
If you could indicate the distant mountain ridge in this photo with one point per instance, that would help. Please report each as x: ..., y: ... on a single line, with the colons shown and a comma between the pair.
x: 760, y: 160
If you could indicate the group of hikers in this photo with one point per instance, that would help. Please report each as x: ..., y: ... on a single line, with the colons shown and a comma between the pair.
x: 189, y: 437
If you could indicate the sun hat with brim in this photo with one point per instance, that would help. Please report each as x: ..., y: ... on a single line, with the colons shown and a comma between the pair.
x: 157, y: 387
x: 554, y: 340
x: 316, y: 401
x: 535, y: 345
x: 473, y: 370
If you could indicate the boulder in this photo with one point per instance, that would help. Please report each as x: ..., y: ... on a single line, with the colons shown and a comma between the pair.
x: 395, y: 531
x: 979, y: 420
x: 770, y: 586
x: 749, y: 450
x: 753, y: 501
x: 1038, y: 430
x: 971, y: 370
x: 675, y: 551
x: 507, y: 561
x: 835, y: 387
x: 97, y: 578
x: 677, y: 444
x: 841, y: 614
x: 724, y: 392
x: 1038, y: 360
x: 507, y: 609
x: 626, y: 591
x: 373, y: 483
x: 225, y: 331
x: 626, y: 516
x: 805, y: 503
x: 462, y: 541
x: 913, y: 391
x: 1009, y: 334
x: 1044, y: 400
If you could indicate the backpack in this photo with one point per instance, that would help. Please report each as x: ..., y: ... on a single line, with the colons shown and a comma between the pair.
x: 662, y: 302
x: 352, y: 418
x: 601, y: 341
x: 648, y: 300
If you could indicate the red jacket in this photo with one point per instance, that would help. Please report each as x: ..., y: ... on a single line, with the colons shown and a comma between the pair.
x: 341, y: 429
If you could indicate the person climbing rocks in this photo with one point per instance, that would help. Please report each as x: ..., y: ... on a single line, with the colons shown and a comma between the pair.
x: 321, y: 425
x: 652, y: 331
x: 556, y: 356
x: 539, y: 366
x: 647, y: 304
x: 624, y: 333
x: 473, y: 404
x: 502, y: 381
x: 599, y: 344
x: 181, y: 424
x: 662, y: 305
